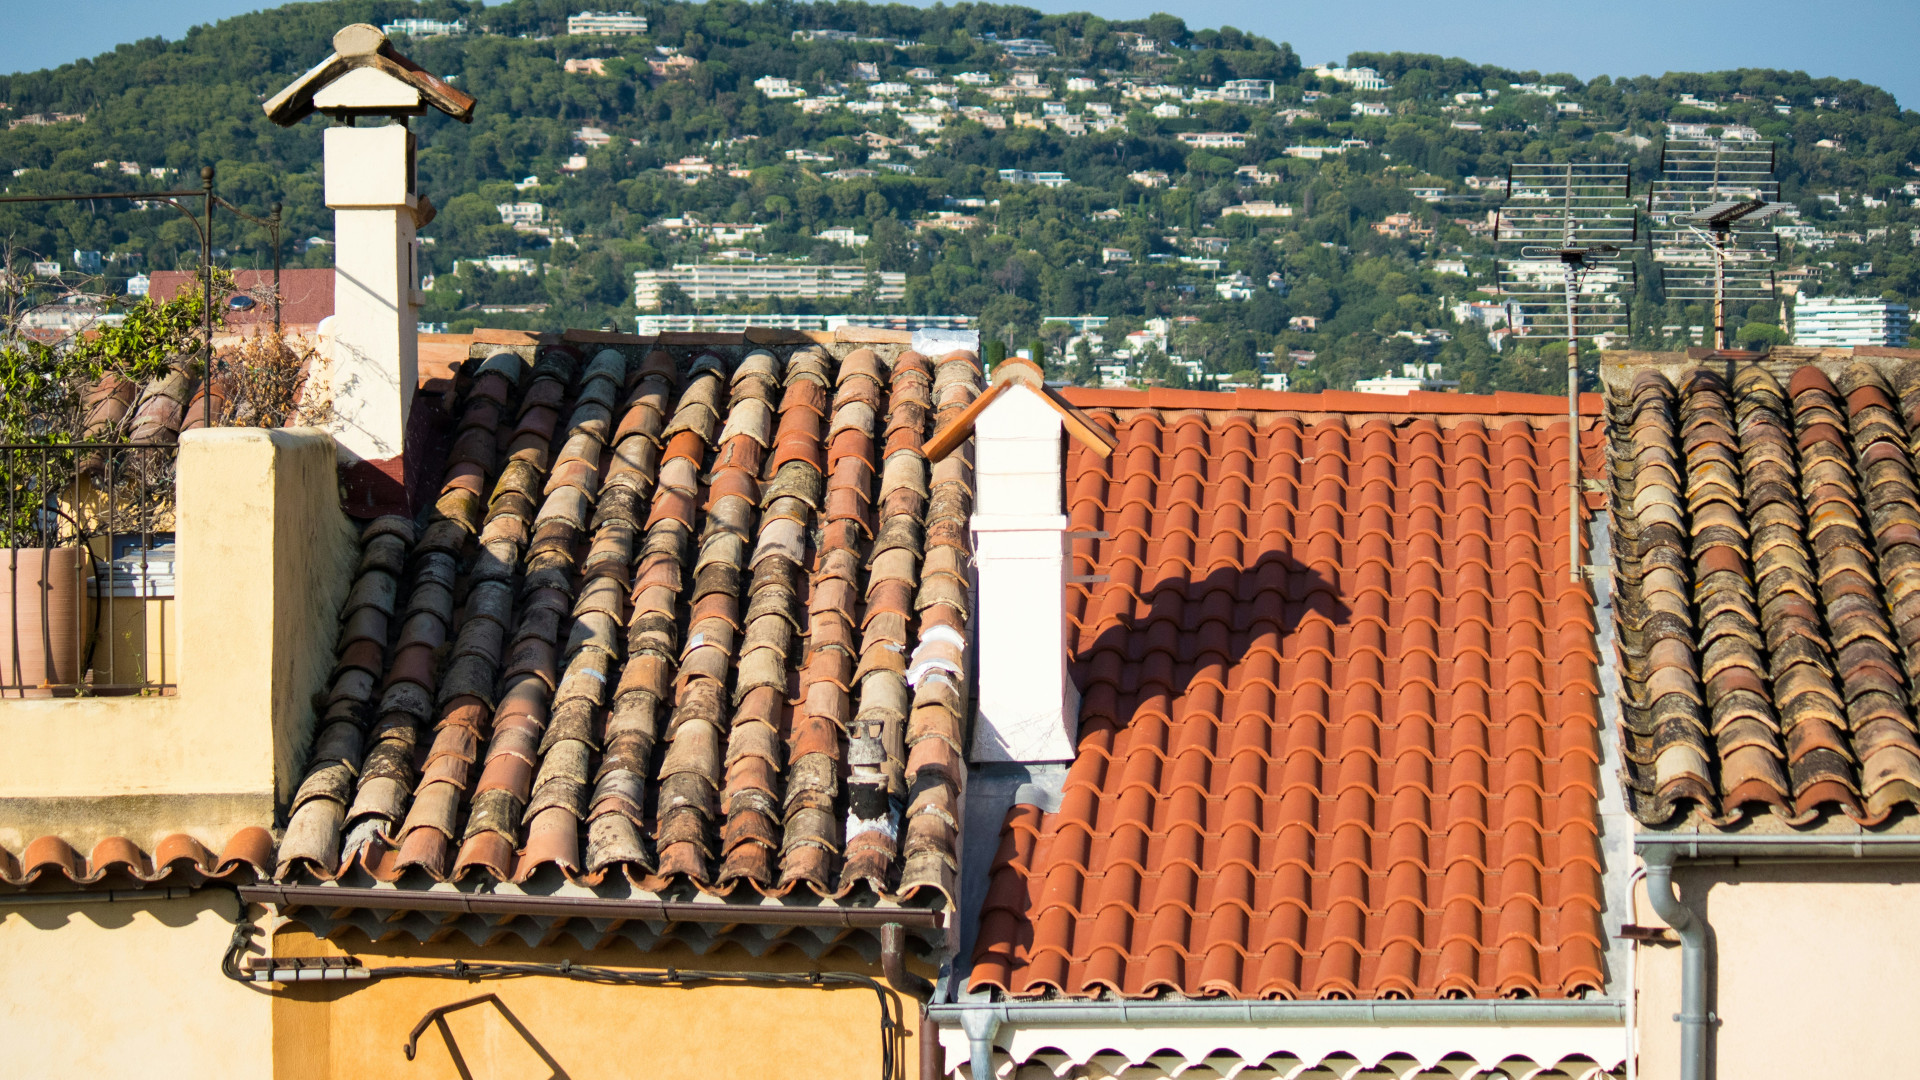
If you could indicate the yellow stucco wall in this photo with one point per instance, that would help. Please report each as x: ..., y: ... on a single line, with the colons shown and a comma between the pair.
x: 335, y: 1031
x: 92, y: 989
x: 265, y: 558
x: 127, y: 989
x: 1808, y: 964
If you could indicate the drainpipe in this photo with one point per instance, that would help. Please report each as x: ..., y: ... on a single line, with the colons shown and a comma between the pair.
x: 1661, y: 851
x: 1693, y: 1015
x: 982, y: 1020
x: 981, y: 1025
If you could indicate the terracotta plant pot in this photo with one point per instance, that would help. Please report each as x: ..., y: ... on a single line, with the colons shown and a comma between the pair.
x: 45, y: 619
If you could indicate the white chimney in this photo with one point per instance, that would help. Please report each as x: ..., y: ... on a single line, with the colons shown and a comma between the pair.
x: 372, y: 361
x: 1029, y: 708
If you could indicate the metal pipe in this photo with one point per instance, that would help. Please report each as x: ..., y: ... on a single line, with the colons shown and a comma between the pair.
x: 1571, y: 281
x: 1573, y: 433
x: 1629, y: 990
x: 206, y: 286
x: 1693, y: 1015
x: 981, y: 1025
x: 588, y: 907
x: 893, y: 962
x: 277, y: 299
x: 933, y: 1058
x: 982, y: 1020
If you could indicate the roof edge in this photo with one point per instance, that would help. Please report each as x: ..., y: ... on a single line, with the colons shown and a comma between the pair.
x: 1337, y: 401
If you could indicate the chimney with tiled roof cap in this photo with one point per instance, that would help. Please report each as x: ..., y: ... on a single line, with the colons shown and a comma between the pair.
x: 371, y: 367
x: 1029, y: 708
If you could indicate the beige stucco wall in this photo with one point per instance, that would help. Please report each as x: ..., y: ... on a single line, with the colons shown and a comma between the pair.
x: 1808, y: 960
x: 349, y: 1031
x: 265, y: 558
x: 127, y: 989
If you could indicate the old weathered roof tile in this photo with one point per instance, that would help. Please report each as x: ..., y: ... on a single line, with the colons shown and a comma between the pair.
x: 730, y: 493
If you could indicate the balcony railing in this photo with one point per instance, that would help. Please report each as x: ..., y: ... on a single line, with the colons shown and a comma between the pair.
x: 87, y: 570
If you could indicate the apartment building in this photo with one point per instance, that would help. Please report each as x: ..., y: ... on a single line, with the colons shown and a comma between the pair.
x: 1841, y: 321
x: 1214, y: 140
x: 1043, y: 179
x: 1027, y: 48
x: 424, y: 28
x: 823, y: 324
x: 606, y: 23
x: 710, y: 282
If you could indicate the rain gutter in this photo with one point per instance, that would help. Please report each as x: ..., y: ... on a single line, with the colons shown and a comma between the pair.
x: 1662, y: 851
x: 592, y: 907
x: 95, y: 896
x: 982, y: 1020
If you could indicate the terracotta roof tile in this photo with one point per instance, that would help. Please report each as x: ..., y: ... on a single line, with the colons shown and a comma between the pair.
x: 1339, y: 720
x: 177, y: 859
x: 659, y: 624
x: 1769, y: 545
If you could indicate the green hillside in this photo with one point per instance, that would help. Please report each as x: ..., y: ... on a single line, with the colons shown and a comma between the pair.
x: 913, y: 164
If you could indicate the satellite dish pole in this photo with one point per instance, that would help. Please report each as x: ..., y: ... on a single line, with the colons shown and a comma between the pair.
x: 1571, y: 221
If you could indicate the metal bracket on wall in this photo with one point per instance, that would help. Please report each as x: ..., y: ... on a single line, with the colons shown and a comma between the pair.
x: 438, y: 1018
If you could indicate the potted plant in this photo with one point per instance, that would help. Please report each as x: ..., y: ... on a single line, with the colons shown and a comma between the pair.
x: 62, y: 382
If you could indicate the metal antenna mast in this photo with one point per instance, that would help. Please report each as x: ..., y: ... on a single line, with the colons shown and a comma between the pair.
x: 1571, y: 222
x: 1710, y: 234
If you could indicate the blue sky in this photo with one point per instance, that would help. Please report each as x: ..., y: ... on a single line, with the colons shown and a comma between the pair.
x: 1871, y: 40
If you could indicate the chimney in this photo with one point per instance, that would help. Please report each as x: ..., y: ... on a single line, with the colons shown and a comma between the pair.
x: 1029, y: 708
x: 371, y: 342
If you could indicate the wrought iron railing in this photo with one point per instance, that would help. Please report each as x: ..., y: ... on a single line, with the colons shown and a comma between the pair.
x: 87, y: 574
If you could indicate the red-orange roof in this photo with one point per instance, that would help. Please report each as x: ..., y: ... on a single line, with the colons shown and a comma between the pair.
x: 1339, y: 733
x: 306, y: 295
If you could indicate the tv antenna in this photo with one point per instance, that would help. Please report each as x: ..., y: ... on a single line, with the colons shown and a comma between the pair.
x: 1710, y: 209
x: 1572, y: 223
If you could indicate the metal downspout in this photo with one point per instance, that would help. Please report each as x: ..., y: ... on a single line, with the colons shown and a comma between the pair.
x: 1693, y: 1015
x: 981, y: 1025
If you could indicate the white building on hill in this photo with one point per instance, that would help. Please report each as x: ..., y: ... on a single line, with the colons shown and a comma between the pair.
x: 606, y: 23
x: 1844, y: 321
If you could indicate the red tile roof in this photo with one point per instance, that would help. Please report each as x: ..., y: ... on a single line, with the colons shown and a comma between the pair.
x: 657, y: 632
x: 307, y: 295
x: 1339, y: 726
x: 1769, y: 553
x: 176, y: 859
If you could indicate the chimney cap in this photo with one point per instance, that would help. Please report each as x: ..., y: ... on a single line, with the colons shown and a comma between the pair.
x: 361, y: 46
x: 1020, y: 372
